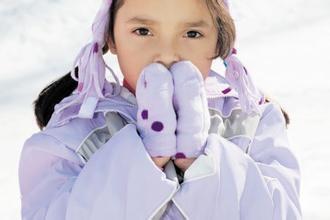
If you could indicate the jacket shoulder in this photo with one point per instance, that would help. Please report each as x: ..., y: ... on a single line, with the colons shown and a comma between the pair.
x: 47, y: 144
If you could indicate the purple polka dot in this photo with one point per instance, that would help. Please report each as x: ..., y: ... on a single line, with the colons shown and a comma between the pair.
x: 144, y: 114
x: 157, y: 126
x: 96, y: 48
x: 145, y: 84
x: 226, y: 90
x: 180, y: 155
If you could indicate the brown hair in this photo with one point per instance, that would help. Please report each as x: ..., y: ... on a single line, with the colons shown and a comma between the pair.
x: 65, y: 85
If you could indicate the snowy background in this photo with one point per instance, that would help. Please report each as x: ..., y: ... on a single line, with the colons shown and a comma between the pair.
x: 285, y: 44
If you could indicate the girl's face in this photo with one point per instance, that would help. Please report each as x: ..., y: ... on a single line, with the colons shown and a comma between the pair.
x: 164, y: 31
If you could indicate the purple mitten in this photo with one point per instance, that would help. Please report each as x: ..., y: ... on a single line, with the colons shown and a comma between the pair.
x: 191, y: 105
x: 156, y: 119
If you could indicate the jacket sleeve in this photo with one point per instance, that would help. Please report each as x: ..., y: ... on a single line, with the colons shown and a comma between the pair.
x: 120, y: 181
x: 226, y: 182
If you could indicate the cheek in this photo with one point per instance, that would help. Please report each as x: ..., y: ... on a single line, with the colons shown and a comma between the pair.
x: 131, y: 67
x: 130, y: 75
x: 131, y: 59
x: 204, y: 66
x: 200, y: 58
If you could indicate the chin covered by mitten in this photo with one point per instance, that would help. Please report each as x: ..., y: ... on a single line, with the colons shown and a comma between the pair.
x: 156, y: 118
x: 190, y: 103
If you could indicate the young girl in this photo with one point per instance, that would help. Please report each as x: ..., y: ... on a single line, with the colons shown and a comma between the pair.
x: 176, y: 141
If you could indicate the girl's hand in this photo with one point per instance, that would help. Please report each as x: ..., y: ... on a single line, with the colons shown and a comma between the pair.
x: 160, y: 161
x: 184, y: 164
x: 191, y: 106
x: 156, y: 119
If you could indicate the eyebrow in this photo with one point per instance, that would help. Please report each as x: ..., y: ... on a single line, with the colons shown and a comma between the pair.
x: 141, y: 20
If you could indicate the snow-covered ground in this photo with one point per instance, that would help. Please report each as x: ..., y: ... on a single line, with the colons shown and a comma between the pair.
x: 284, y: 44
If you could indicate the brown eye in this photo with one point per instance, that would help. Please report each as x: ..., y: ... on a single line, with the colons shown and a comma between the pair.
x: 142, y: 31
x: 192, y: 34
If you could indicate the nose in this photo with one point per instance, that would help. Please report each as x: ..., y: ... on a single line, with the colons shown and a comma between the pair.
x: 167, y: 54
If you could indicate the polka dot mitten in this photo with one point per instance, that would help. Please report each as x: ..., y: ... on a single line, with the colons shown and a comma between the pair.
x: 156, y: 118
x: 190, y: 103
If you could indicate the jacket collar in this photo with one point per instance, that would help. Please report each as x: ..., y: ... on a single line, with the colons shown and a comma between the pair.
x: 216, y: 87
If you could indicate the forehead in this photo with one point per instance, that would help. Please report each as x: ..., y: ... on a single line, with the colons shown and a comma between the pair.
x: 178, y: 12
x: 150, y: 21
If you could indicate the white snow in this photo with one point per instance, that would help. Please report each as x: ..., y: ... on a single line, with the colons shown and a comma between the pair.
x: 284, y: 44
